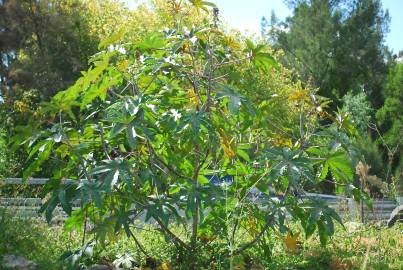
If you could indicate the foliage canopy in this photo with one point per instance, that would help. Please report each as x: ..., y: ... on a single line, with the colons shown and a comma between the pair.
x: 170, y: 128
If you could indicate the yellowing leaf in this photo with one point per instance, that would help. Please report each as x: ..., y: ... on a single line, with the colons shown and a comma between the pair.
x: 122, y: 65
x: 144, y: 149
x: 232, y: 43
x: 165, y: 266
x: 227, y: 149
x: 253, y: 231
x: 193, y: 99
x: 226, y: 144
x: 200, y: 4
x: 299, y: 95
x: 176, y: 6
x: 112, y: 39
x: 291, y: 242
x: 205, y: 238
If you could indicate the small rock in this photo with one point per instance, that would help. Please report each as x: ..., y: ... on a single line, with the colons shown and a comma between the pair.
x: 126, y: 261
x: 17, y: 263
x: 352, y: 227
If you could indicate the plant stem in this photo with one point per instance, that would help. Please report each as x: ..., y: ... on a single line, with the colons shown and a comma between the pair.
x: 138, y: 244
x: 254, y: 240
x: 195, y: 186
x: 175, y: 238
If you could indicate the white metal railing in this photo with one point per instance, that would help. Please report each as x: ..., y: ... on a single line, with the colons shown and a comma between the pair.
x: 343, y: 205
x: 34, y: 181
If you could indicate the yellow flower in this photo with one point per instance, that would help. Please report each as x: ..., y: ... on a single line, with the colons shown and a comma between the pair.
x: 21, y: 106
x: 280, y: 141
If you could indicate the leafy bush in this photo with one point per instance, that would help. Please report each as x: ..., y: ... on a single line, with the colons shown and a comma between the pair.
x: 371, y: 154
x: 360, y: 109
x: 389, y: 116
x: 3, y: 148
x: 34, y: 240
x: 153, y: 125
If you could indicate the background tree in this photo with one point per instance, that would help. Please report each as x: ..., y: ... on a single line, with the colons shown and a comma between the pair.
x: 44, y: 46
x: 337, y: 46
x: 390, y: 118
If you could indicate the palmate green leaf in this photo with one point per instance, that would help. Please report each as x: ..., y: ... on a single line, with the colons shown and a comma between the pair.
x: 235, y: 99
x: 331, y: 213
x: 112, y: 172
x: 117, y: 128
x: 117, y: 114
x: 44, y: 150
x: 132, y: 136
x: 338, y: 163
x: 329, y: 224
x: 312, y: 220
x: 323, y: 233
x: 192, y: 124
x: 200, y: 4
x: 153, y: 41
x: 49, y: 206
x: 359, y: 196
x: 66, y: 205
x: 100, y: 89
x: 261, y: 59
x: 91, y: 192
x: 75, y: 220
x: 64, y: 100
x: 324, y: 172
x: 243, y: 154
x: 112, y: 39
x: 161, y: 209
x: 173, y: 189
x: 317, y: 214
x: 289, y: 163
x: 340, y: 166
x: 264, y: 61
x: 125, y: 111
x: 203, y: 180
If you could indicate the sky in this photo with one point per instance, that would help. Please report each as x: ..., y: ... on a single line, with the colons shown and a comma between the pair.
x: 246, y: 15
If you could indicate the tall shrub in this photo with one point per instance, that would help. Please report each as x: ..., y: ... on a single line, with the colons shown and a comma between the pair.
x: 168, y: 130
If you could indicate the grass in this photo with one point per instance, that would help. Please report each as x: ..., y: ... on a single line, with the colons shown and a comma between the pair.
x: 368, y: 247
